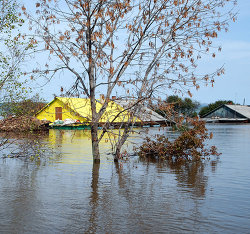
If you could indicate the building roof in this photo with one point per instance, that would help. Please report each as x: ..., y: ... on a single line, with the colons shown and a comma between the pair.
x: 145, y: 114
x: 243, y: 110
x: 78, y: 105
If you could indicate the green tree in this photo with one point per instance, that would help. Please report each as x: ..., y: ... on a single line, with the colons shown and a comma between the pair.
x: 189, y: 107
x: 184, y: 106
x: 12, y: 53
x: 206, y: 109
x: 175, y: 101
x: 23, y: 107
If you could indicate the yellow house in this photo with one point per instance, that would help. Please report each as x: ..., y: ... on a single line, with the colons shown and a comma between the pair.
x: 62, y: 108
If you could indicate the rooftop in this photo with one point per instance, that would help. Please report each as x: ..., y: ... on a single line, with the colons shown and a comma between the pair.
x: 243, y: 110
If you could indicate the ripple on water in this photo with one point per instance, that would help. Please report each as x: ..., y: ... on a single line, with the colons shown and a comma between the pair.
x: 68, y: 194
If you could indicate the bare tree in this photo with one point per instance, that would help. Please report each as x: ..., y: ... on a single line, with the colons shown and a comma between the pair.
x: 140, y: 49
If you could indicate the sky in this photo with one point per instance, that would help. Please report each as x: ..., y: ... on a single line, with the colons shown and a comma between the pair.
x: 235, y: 57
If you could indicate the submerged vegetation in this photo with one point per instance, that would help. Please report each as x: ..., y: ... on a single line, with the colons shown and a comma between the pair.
x: 22, y: 124
x: 27, y: 145
x: 189, y: 145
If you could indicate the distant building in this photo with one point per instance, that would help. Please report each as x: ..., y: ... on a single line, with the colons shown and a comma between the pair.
x: 228, y: 113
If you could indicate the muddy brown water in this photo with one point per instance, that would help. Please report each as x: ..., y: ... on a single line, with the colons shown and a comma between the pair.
x: 67, y: 194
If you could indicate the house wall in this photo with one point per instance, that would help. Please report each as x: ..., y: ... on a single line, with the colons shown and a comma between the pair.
x: 49, y: 112
x: 224, y: 112
x: 111, y: 112
x: 83, y: 108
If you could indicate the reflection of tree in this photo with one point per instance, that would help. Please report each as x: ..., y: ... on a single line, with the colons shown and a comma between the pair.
x: 214, y: 164
x: 122, y: 178
x: 4, y: 141
x: 139, y: 192
x: 56, y: 141
x: 189, y: 174
x: 170, y: 191
x: 94, y: 199
x: 25, y: 145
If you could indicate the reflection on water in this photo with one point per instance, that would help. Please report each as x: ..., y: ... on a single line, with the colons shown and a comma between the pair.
x: 67, y: 193
x: 93, y: 201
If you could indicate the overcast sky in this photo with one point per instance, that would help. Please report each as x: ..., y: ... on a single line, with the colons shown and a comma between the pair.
x: 235, y: 57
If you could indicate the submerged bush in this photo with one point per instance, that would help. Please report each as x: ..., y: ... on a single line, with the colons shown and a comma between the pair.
x: 22, y: 124
x: 189, y: 145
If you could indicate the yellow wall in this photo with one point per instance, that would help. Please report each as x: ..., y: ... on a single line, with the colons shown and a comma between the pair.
x: 83, y: 110
x: 112, y: 110
x: 48, y: 112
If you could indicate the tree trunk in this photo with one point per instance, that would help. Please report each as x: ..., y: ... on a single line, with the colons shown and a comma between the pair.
x: 121, y: 142
x: 92, y: 85
x: 94, y: 125
x: 95, y: 143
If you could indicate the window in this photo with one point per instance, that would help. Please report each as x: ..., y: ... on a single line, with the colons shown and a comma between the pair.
x: 58, y: 112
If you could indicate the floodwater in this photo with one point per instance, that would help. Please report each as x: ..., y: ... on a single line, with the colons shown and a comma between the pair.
x: 67, y: 194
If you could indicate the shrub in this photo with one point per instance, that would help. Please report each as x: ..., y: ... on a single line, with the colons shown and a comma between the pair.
x: 189, y: 145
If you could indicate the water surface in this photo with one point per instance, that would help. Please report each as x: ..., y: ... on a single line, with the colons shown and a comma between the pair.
x: 67, y: 194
